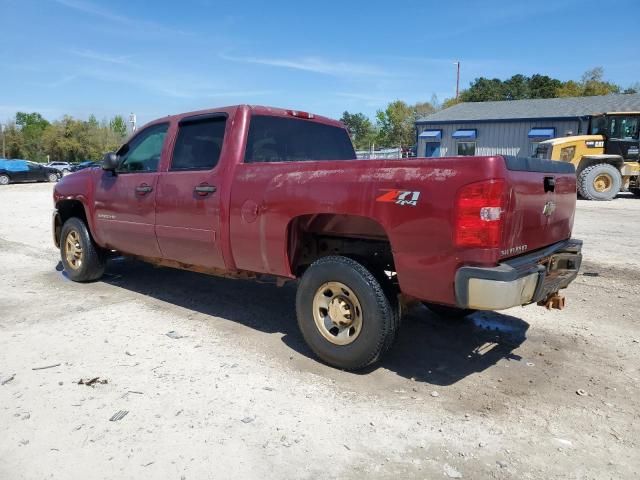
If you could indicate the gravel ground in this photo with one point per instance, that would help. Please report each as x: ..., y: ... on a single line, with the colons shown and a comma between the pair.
x: 234, y: 393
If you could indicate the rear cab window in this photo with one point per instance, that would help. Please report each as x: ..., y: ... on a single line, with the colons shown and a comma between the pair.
x: 281, y: 139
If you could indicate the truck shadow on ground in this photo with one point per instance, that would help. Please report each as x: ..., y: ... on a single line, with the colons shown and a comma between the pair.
x: 428, y: 349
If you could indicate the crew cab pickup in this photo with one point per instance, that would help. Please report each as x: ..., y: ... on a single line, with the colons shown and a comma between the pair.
x: 248, y: 191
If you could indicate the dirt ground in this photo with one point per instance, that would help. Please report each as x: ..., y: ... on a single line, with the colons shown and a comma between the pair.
x: 233, y: 392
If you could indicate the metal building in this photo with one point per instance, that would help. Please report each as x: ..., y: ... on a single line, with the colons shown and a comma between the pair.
x: 511, y: 127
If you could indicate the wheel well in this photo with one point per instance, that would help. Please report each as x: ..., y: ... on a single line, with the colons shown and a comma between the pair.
x: 363, y: 239
x: 616, y: 162
x: 66, y: 210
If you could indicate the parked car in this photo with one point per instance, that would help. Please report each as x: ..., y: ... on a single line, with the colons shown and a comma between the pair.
x: 83, y: 165
x: 16, y: 171
x: 248, y: 191
x: 62, y: 167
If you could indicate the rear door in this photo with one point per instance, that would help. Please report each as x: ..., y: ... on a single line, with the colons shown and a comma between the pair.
x: 125, y: 202
x: 188, y: 201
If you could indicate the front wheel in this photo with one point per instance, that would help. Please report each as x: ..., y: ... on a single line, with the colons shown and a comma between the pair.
x: 82, y: 259
x: 344, y: 314
x: 52, y: 177
x: 599, y: 182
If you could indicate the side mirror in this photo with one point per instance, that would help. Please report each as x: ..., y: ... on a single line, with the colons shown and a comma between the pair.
x: 110, y: 161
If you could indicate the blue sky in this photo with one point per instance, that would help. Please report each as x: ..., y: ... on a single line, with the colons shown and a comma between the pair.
x: 162, y: 57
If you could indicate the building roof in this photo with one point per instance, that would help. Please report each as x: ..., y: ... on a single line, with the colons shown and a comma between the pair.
x: 570, y: 107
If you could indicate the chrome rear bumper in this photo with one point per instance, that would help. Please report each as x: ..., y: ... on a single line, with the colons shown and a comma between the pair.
x: 521, y: 280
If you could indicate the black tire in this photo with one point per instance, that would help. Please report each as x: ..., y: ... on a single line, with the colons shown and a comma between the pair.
x: 92, y: 259
x: 635, y: 191
x: 587, y: 182
x: 65, y: 171
x: 52, y: 177
x: 378, y: 318
x: 4, y: 179
x: 450, y: 313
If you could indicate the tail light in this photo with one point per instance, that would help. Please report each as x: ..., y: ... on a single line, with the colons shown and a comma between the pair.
x: 479, y: 211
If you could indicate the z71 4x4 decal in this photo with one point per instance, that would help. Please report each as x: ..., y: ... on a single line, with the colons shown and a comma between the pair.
x: 399, y: 197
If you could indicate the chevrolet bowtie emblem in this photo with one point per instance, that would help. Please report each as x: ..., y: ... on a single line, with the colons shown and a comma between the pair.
x: 549, y: 208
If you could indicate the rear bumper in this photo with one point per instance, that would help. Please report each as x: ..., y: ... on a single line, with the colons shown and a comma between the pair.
x: 519, y: 281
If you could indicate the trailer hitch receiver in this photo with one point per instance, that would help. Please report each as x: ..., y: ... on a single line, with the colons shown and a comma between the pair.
x: 555, y: 301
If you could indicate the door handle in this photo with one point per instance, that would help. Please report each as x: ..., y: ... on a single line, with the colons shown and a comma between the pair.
x: 204, y: 189
x: 143, y: 189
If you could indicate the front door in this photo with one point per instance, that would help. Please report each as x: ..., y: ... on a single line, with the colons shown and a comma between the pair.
x: 188, y: 202
x: 432, y: 149
x: 623, y: 136
x: 125, y: 201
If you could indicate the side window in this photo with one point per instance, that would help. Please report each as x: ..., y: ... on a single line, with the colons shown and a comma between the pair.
x: 466, y: 148
x: 199, y: 144
x: 143, y: 153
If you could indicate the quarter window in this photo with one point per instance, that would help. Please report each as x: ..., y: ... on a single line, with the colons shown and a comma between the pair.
x: 143, y: 153
x: 466, y: 149
x: 199, y: 144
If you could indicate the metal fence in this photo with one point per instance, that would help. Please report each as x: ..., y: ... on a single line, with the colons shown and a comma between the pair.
x: 385, y: 153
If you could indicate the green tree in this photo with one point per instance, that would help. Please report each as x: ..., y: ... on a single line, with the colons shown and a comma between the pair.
x: 119, y: 125
x: 360, y: 128
x: 516, y: 88
x: 483, y: 90
x: 422, y: 109
x: 593, y: 83
x: 32, y: 127
x: 543, y: 86
x: 395, y: 125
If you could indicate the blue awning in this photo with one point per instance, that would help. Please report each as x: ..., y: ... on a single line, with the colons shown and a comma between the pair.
x: 542, y: 133
x: 434, y: 135
x: 465, y: 133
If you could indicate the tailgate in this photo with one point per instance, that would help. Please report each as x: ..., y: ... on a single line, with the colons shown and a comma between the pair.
x: 541, y: 204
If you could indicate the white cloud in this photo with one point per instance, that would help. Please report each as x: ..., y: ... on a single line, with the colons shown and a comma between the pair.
x: 97, y: 11
x: 102, y: 57
x: 312, y: 64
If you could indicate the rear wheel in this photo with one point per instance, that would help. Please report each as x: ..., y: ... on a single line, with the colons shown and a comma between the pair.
x: 344, y: 314
x: 600, y: 182
x: 4, y: 179
x: 450, y: 313
x: 82, y: 259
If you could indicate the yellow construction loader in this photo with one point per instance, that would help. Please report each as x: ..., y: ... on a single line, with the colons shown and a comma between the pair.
x: 606, y: 160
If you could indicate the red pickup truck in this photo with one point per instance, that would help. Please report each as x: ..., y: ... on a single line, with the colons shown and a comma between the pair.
x: 247, y: 191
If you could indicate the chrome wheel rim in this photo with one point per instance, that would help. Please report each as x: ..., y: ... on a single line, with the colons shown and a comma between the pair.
x: 4, y: 180
x: 73, y: 250
x: 337, y: 313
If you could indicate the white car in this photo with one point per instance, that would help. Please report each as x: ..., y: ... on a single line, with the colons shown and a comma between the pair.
x: 62, y: 167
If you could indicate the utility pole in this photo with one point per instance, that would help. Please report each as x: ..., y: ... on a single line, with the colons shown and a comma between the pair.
x: 132, y: 121
x: 457, y: 64
x: 2, y: 128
